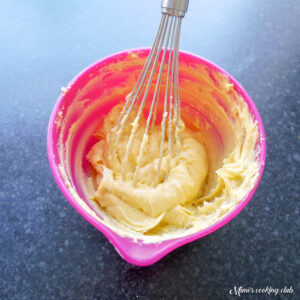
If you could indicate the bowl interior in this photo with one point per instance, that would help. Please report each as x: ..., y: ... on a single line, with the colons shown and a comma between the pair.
x: 106, y: 83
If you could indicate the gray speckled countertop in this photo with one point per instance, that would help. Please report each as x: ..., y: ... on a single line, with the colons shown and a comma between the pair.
x: 47, y: 250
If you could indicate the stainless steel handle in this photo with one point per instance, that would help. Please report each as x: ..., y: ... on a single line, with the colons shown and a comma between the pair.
x: 174, y: 7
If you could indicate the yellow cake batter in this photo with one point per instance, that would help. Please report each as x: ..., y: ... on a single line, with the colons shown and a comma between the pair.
x: 213, y: 170
x: 195, y: 193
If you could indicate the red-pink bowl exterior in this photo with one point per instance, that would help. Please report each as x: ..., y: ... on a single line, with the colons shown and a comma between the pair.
x: 146, y: 254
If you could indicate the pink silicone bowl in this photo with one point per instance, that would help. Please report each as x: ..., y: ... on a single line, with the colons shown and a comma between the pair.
x: 85, y: 88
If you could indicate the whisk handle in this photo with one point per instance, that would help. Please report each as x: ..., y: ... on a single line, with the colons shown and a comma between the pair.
x: 174, y: 7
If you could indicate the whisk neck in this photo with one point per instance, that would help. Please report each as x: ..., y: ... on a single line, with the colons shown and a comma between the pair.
x: 176, y: 8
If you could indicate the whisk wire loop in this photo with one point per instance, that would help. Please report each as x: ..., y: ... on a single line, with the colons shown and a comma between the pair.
x: 166, y: 42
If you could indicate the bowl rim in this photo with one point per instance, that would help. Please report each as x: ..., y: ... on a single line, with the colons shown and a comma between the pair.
x: 172, y: 244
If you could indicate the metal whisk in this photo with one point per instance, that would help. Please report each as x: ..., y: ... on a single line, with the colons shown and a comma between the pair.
x: 167, y: 40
